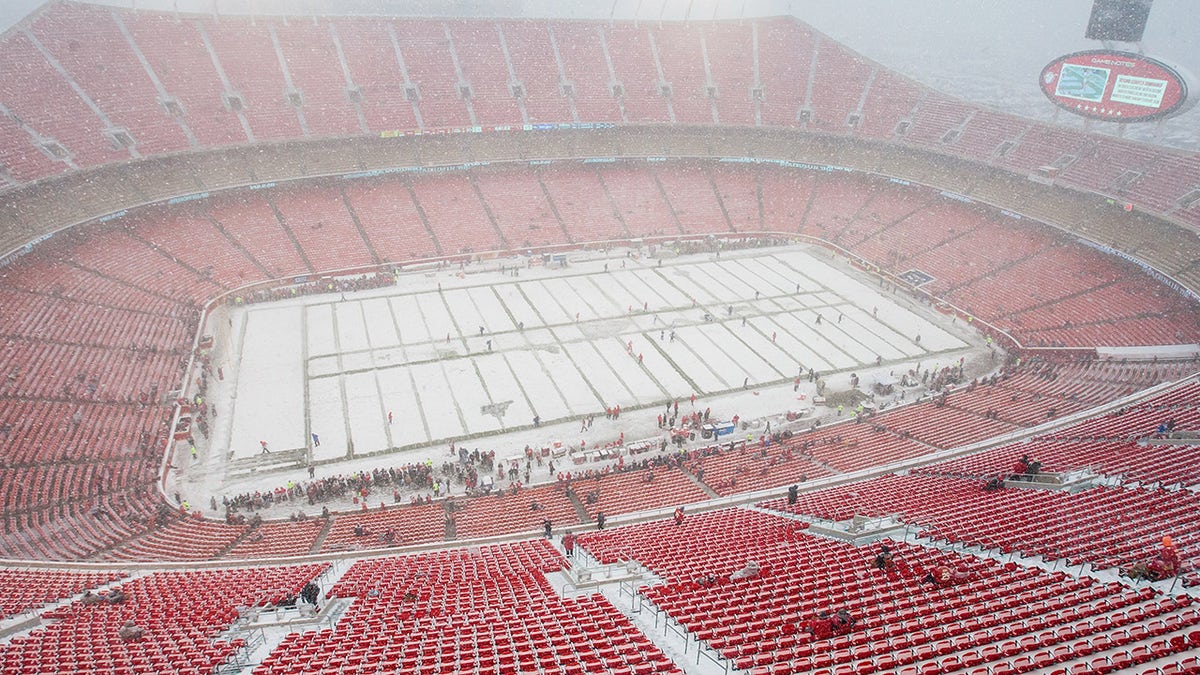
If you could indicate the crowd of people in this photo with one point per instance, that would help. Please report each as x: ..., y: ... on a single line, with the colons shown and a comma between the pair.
x: 357, y: 486
x: 341, y: 285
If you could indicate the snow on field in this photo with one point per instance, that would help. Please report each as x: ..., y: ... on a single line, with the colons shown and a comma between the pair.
x: 455, y: 355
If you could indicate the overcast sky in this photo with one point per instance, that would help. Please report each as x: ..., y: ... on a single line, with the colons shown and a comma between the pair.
x: 12, y: 11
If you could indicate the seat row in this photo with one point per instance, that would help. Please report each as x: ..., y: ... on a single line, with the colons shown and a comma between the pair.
x: 224, y: 88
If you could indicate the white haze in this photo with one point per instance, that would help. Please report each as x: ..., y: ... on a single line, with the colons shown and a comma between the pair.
x: 986, y: 51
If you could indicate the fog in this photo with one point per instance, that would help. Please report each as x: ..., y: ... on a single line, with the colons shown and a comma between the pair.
x: 986, y: 51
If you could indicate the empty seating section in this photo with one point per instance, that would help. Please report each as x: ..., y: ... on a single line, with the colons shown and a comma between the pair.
x: 1167, y: 179
x: 316, y: 73
x: 53, y: 278
x: 637, y: 194
x: 505, y: 513
x: 632, y: 57
x: 746, y: 469
x: 1021, y: 397
x: 408, y: 525
x: 1168, y: 464
x: 839, y: 84
x: 890, y: 100
x: 1107, y: 527
x: 730, y: 51
x: 462, y: 224
x: 1051, y: 276
x: 46, y: 315
x: 938, y: 120
x: 683, y: 68
x: 1043, y: 145
x: 177, y: 55
x: 26, y: 589
x: 279, y: 539
x: 113, y: 79
x: 587, y: 210
x: 520, y: 208
x: 477, y: 45
x: 585, y: 68
x: 1109, y: 444
x: 426, y: 53
x: 139, y: 266
x: 320, y: 223
x: 631, y: 491
x: 791, y: 44
x: 998, y: 616
x: 45, y: 432
x: 995, y: 247
x: 1094, y: 382
x: 922, y: 231
x: 222, y: 83
x: 1102, y: 163
x: 738, y: 191
x: 205, y: 248
x: 987, y: 131
x: 39, y: 96
x: 712, y: 543
x: 180, y: 538
x: 251, y: 67
x: 1043, y: 285
x: 388, y: 216
x: 834, y: 205
x: 786, y: 198
x: 691, y: 197
x: 20, y: 161
x: 45, y: 369
x: 484, y: 610
x: 1114, y: 310
x: 943, y: 427
x: 77, y: 530
x: 850, y: 446
x: 251, y: 223
x: 182, y: 613
x: 1161, y: 329
x: 375, y: 70
x: 27, y: 489
x: 879, y: 215
x: 533, y: 62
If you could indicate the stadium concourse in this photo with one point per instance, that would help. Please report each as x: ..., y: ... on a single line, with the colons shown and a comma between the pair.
x: 311, y: 327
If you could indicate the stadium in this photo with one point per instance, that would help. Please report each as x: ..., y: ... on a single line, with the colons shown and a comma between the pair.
x: 309, y: 322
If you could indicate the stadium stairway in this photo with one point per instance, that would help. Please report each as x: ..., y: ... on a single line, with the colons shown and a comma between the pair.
x: 1114, y: 625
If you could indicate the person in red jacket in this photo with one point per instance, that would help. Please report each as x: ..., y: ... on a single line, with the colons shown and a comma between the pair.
x: 820, y: 626
x: 1169, y: 556
x: 843, y: 622
x: 944, y: 577
x: 1021, y: 468
x: 678, y: 516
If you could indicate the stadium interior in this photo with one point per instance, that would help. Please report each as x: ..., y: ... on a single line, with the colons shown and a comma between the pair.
x: 159, y: 169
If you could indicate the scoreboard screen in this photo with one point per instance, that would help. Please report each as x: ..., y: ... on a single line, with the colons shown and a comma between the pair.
x: 1114, y: 86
